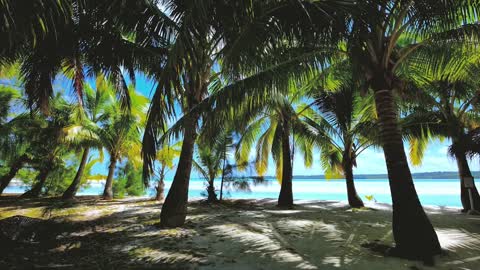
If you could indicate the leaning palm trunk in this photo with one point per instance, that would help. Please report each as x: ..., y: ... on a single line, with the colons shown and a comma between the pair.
x: 161, y: 186
x: 174, y: 210
x: 464, y: 171
x: 212, y: 196
x: 285, y: 199
x: 108, y: 191
x: 413, y: 233
x: 7, y: 178
x: 37, y: 188
x: 353, y: 199
x: 73, y: 188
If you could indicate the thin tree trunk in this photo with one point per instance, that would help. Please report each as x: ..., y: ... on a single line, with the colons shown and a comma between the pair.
x: 212, y: 196
x: 37, y: 188
x: 161, y: 186
x: 174, y: 209
x: 73, y: 188
x: 464, y: 171
x: 108, y: 191
x: 412, y: 230
x: 7, y: 178
x: 285, y: 199
x: 223, y: 174
x: 353, y: 199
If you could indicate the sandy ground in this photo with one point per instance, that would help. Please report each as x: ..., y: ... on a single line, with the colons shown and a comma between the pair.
x: 123, y: 234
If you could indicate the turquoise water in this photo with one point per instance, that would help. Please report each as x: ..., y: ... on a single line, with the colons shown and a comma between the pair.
x: 441, y: 192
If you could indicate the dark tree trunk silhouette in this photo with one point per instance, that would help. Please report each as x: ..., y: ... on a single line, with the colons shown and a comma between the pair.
x: 353, y: 198
x: 108, y: 191
x: 285, y: 199
x: 7, y: 178
x: 464, y: 171
x: 212, y: 195
x: 174, y: 209
x: 412, y: 230
x: 37, y: 188
x: 223, y: 174
x: 161, y: 185
x: 73, y: 188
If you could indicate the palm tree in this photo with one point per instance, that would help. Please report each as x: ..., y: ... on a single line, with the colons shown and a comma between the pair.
x: 46, y: 150
x: 277, y: 130
x: 343, y: 130
x: 449, y: 90
x: 211, y: 161
x: 120, y: 136
x: 380, y: 39
x: 93, y: 36
x: 81, y: 134
x: 201, y: 35
x: 165, y: 157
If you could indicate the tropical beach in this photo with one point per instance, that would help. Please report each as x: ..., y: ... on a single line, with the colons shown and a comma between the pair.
x: 231, y: 134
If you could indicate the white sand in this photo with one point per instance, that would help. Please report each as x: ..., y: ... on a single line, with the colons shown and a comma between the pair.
x: 257, y: 235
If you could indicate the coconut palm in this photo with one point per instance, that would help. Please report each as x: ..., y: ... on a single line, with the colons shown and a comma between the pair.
x: 380, y: 39
x: 90, y: 37
x: 276, y: 129
x: 166, y: 157
x: 46, y: 149
x: 15, y: 135
x: 449, y: 89
x: 120, y: 136
x: 81, y: 134
x: 343, y: 130
x: 203, y: 34
x: 212, y: 158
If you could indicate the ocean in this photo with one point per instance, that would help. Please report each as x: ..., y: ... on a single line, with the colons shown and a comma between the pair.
x: 438, y: 192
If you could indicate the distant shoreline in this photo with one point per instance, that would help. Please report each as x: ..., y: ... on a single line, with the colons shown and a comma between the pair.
x: 423, y: 175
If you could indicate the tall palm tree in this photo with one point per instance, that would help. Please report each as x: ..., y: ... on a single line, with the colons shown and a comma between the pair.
x: 212, y: 157
x: 201, y: 35
x: 89, y: 37
x: 449, y: 89
x: 47, y: 151
x: 120, y: 136
x: 81, y: 134
x: 344, y: 129
x: 380, y: 38
x: 276, y: 129
x: 166, y: 157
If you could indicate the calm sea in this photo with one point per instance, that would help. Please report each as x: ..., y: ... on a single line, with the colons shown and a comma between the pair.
x: 440, y: 192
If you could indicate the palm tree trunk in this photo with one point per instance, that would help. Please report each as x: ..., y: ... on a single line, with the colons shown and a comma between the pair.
x: 212, y: 196
x: 412, y: 230
x: 353, y: 199
x: 174, y: 209
x: 108, y: 191
x: 223, y: 174
x: 464, y: 171
x: 285, y: 199
x: 37, y: 188
x: 73, y: 188
x: 7, y: 178
x: 161, y: 185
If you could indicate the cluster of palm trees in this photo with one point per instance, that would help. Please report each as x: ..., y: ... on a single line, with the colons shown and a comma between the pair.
x: 285, y: 76
x: 45, y: 143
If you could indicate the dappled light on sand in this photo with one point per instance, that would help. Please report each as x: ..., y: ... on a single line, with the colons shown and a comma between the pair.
x: 233, y: 235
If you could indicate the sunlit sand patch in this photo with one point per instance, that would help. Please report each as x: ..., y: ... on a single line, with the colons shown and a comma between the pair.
x: 453, y: 239
x: 162, y: 256
x: 330, y: 231
x: 261, y: 241
x: 283, y: 212
x: 337, y: 261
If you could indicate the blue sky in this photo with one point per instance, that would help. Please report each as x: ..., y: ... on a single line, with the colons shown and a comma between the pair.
x: 371, y: 161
